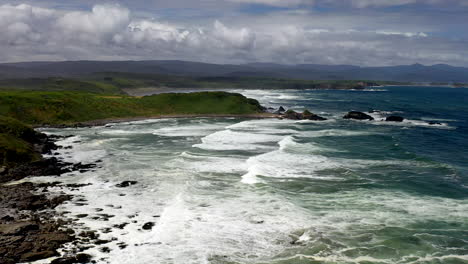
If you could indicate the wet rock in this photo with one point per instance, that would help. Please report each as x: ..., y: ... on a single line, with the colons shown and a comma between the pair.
x: 83, y: 258
x: 83, y: 167
x: 105, y: 250
x: 33, y: 256
x: 50, y: 166
x: 394, y: 119
x: 306, y: 115
x: 148, y: 226
x: 358, y: 116
x: 121, y: 226
x: 89, y: 234
x: 125, y: 184
x: 310, y: 116
x: 81, y: 215
x: 76, y: 185
x: 291, y: 114
x: 280, y: 110
x: 122, y: 245
x: 106, y: 230
x: 18, y: 228
x: 101, y: 242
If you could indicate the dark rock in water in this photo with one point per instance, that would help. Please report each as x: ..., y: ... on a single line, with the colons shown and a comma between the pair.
x: 125, y: 184
x: 83, y: 167
x: 83, y: 258
x: 50, y: 166
x: 306, y: 115
x: 291, y: 114
x: 311, y: 116
x: 105, y: 249
x: 280, y: 111
x: 121, y: 226
x: 358, y: 115
x: 394, y: 119
x: 148, y: 226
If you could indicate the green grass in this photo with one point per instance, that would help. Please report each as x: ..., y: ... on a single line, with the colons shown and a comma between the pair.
x: 134, y: 80
x: 114, y: 82
x: 16, y: 142
x: 59, y: 84
x: 40, y: 108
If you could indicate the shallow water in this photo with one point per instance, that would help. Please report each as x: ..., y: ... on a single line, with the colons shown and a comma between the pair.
x: 230, y: 190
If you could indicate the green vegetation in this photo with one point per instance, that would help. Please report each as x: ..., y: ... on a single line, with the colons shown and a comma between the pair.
x: 56, y: 101
x: 113, y: 83
x: 59, y: 84
x: 16, y: 142
x: 38, y: 108
x: 134, y: 80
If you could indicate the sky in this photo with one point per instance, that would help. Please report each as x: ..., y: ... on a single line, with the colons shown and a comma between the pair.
x: 357, y: 32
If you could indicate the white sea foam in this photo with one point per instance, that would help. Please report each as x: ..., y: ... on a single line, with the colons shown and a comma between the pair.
x: 187, y: 130
x: 336, y: 133
x: 281, y: 164
x: 210, y: 164
x: 231, y: 140
x: 413, y: 123
x: 202, y: 212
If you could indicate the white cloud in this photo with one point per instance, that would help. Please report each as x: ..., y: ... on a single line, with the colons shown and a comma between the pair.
x: 113, y: 32
x: 406, y: 34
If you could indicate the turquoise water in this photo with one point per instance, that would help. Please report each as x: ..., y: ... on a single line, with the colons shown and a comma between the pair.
x: 231, y: 190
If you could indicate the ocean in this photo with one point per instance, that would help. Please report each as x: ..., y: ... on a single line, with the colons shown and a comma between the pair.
x: 233, y: 190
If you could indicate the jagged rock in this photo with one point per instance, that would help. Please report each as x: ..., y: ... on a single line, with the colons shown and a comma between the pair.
x: 148, y: 226
x: 311, y: 116
x: 394, y: 119
x: 358, y: 115
x: 291, y: 114
x: 125, y: 184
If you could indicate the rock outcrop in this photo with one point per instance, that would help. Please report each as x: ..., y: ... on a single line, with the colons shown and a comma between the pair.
x: 311, y: 116
x: 394, y: 119
x: 358, y: 116
x: 280, y: 110
x: 26, y: 234
x: 306, y: 115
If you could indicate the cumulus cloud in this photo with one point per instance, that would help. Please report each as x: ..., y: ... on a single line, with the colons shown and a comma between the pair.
x: 112, y: 32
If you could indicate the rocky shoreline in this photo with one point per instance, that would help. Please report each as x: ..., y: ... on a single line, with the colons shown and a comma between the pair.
x: 30, y: 228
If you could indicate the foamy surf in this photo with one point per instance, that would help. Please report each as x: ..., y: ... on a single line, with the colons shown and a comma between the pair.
x: 272, y: 191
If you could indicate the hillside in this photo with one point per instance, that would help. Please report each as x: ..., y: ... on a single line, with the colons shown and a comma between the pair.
x: 403, y: 73
x: 53, y: 108
x: 113, y: 82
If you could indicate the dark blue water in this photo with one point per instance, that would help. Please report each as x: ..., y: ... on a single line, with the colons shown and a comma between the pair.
x: 415, y: 173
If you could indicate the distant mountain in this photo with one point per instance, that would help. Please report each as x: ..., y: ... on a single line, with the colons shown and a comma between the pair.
x: 403, y: 73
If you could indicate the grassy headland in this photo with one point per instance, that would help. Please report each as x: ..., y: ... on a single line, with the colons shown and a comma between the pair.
x: 16, y: 142
x: 53, y: 108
